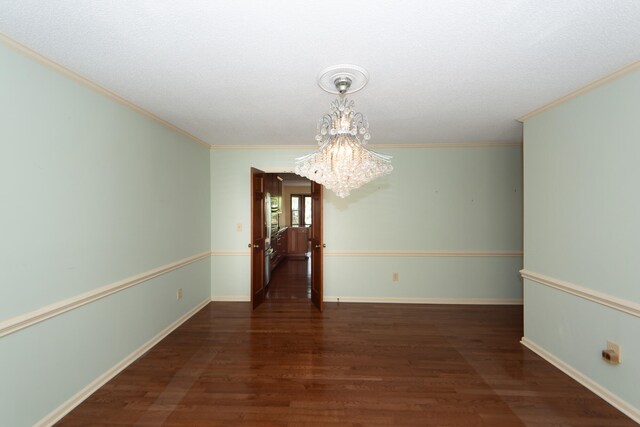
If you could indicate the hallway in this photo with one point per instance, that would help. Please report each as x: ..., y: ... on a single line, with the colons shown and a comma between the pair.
x: 291, y: 281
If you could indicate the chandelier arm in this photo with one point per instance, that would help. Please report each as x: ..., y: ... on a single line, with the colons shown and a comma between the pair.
x: 324, y: 122
x: 326, y: 119
x: 305, y: 157
x: 359, y: 118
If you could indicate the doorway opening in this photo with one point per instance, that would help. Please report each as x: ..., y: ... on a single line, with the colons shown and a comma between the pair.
x: 286, y: 233
x: 291, y: 281
x: 289, y: 254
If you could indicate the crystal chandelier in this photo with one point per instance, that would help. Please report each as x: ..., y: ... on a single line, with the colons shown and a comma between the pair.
x: 343, y: 162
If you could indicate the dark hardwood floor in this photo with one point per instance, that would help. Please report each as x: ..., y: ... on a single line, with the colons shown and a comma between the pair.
x: 291, y: 281
x: 286, y: 364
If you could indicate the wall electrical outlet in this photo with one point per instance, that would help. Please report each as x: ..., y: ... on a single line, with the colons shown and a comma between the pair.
x: 395, y: 277
x: 615, y: 347
x: 179, y: 294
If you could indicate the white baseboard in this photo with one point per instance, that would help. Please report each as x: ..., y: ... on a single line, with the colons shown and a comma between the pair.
x: 232, y: 298
x: 79, y: 397
x: 478, y: 301
x: 619, y: 403
x: 469, y: 301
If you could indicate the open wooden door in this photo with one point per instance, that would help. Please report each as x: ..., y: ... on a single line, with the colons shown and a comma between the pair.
x: 258, y: 234
x: 316, y: 245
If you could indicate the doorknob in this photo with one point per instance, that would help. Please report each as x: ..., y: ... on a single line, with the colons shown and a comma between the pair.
x: 324, y: 245
x: 255, y: 246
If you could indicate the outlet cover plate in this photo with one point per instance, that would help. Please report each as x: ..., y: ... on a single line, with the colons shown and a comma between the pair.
x: 615, y: 347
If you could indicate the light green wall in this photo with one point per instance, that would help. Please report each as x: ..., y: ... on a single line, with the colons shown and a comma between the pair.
x: 581, y: 226
x: 437, y: 199
x: 91, y: 193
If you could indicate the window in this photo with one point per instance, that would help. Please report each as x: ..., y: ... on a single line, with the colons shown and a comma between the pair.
x: 300, y: 210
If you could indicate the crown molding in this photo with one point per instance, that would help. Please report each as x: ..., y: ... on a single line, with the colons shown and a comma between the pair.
x: 426, y: 145
x: 94, y: 86
x: 450, y: 145
x: 613, y: 76
x: 262, y: 147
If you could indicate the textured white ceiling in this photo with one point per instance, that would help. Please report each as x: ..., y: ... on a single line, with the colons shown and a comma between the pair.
x: 244, y: 72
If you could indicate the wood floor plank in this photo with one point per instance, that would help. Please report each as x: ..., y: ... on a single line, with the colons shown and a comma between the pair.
x: 286, y: 364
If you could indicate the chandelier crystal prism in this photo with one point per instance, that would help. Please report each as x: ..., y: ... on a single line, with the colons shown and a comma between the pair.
x: 343, y: 162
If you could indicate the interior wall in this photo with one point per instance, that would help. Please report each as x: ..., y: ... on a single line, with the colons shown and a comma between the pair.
x: 582, y: 234
x: 93, y: 194
x: 447, y: 220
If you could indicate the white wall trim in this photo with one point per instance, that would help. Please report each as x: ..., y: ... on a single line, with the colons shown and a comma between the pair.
x: 619, y: 403
x: 479, y: 144
x: 394, y: 254
x: 94, y: 385
x: 374, y: 300
x: 620, y: 304
x: 424, y: 254
x: 615, y: 75
x: 231, y: 298
x: 95, y: 87
x: 230, y: 253
x: 466, y: 301
x: 25, y: 320
x: 311, y: 147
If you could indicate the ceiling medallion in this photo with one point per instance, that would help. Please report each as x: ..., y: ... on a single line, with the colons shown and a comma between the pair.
x: 343, y: 162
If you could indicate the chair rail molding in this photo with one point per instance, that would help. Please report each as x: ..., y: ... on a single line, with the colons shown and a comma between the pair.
x: 619, y: 304
x: 230, y: 253
x: 25, y: 320
x: 423, y: 254
x: 463, y: 301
